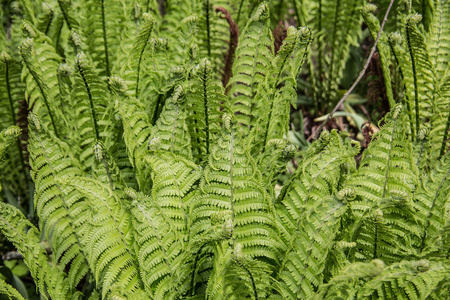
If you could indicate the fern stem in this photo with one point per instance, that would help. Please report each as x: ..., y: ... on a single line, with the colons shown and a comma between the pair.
x: 232, y: 183
x: 140, y: 61
x: 239, y: 11
x: 13, y: 115
x: 91, y: 103
x: 159, y: 104
x: 105, y: 40
x: 49, y: 23
x: 205, y: 102
x: 197, y: 257
x: 208, y: 29
x: 172, y: 140
x: 297, y: 14
x: 416, y: 92
x: 255, y: 291
x: 333, y: 49
x: 64, y: 13
x: 375, y: 243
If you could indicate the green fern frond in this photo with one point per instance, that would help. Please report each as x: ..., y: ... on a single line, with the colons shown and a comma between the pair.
x: 406, y: 280
x: 383, y: 49
x: 237, y: 276
x: 103, y: 39
x: 45, y: 18
x: 438, y: 40
x: 109, y: 240
x: 311, y: 216
x: 57, y: 207
x: 232, y: 183
x: 7, y: 137
x: 254, y: 55
x: 204, y: 100
x: 272, y: 162
x: 384, y: 185
x: 213, y: 34
x: 159, y: 248
x: 171, y: 131
x: 36, y: 86
x: 8, y: 291
x: 302, y: 269
x: 387, y: 165
x: 280, y: 88
x: 90, y: 100
x: 133, y: 69
x: 318, y: 176
x: 49, y: 278
x: 137, y: 131
x: 174, y: 180
x: 344, y: 285
x: 336, y: 30
x: 425, y: 83
x: 431, y: 199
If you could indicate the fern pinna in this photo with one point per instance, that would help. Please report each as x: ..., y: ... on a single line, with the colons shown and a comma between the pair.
x: 155, y: 181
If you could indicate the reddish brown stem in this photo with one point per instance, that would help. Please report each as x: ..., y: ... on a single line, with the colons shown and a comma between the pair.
x: 232, y: 45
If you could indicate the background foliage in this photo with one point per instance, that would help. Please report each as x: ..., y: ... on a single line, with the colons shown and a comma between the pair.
x: 161, y: 150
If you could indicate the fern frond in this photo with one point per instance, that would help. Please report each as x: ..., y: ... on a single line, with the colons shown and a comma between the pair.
x: 254, y: 55
x: 57, y: 207
x: 280, y: 88
x: 213, y: 34
x: 157, y: 244
x: 110, y: 238
x: 382, y: 47
x: 90, y: 101
x: 438, y: 40
x: 237, y: 276
x: 387, y: 165
x: 7, y: 137
x: 344, y: 285
x: 49, y: 278
x: 384, y: 185
x: 319, y: 176
x: 311, y: 216
x: 174, y: 179
x: 406, y: 280
x: 137, y: 131
x: 171, y: 131
x: 8, y: 291
x: 204, y: 102
x: 103, y: 39
x: 423, y: 72
x: 137, y: 58
x: 430, y: 201
x: 37, y: 86
x: 336, y: 30
x: 232, y: 183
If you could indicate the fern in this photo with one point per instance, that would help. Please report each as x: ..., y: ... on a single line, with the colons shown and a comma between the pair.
x: 164, y: 184
x: 226, y: 187
x: 9, y: 291
x: 250, y: 67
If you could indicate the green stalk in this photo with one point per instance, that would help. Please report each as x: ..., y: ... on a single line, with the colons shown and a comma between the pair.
x: 91, y: 103
x: 416, y: 92
x: 105, y: 41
